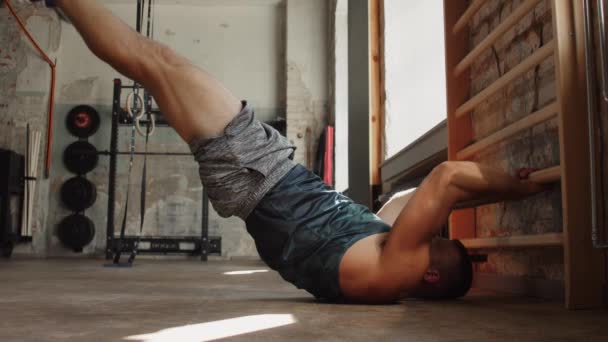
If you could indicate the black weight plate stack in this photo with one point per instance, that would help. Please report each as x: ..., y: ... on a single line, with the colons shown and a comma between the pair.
x: 80, y: 157
x: 82, y: 121
x: 78, y: 194
x: 76, y: 231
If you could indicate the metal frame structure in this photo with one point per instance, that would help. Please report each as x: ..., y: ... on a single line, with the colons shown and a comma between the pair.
x: 596, y: 130
x: 202, y: 245
x: 359, y: 103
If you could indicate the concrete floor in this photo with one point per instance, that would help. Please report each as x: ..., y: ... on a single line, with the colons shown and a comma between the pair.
x: 56, y: 300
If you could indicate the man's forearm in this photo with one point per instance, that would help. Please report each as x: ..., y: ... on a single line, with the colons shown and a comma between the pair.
x: 108, y: 37
x: 488, y: 182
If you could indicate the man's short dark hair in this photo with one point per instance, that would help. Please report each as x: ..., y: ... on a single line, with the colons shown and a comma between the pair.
x: 455, y: 269
x: 460, y: 287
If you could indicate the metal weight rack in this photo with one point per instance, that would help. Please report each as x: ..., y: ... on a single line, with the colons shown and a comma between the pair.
x: 202, y: 245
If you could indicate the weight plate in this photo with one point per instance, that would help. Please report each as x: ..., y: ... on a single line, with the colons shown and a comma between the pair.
x: 78, y: 194
x: 80, y: 157
x: 76, y: 231
x: 82, y: 121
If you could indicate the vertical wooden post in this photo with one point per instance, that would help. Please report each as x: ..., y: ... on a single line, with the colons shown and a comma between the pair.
x: 382, y: 72
x: 584, y: 269
x: 376, y: 89
x: 460, y: 133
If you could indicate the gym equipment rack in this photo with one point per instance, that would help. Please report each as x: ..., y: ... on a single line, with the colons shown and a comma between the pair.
x: 202, y: 245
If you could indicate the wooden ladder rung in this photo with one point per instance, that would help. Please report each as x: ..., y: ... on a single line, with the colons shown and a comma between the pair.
x: 527, y: 122
x: 530, y: 62
x: 511, y: 20
x: 545, y: 176
x: 523, y: 241
x: 468, y: 14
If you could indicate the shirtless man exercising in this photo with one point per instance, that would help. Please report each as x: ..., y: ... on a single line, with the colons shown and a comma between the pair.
x: 315, y: 237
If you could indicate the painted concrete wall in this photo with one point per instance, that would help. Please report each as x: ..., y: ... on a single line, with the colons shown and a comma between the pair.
x: 222, y: 46
x: 414, y: 71
x: 537, y: 147
x: 242, y: 43
x: 24, y: 84
x: 307, y: 75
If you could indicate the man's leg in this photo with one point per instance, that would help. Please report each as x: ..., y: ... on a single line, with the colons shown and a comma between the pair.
x: 195, y: 104
x: 384, y: 267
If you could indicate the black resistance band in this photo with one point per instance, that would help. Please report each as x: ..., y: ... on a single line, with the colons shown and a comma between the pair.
x: 147, y: 107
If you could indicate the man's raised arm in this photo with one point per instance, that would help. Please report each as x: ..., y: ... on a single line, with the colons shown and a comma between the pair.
x: 110, y: 38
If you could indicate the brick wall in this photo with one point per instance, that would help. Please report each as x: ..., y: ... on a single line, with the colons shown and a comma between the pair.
x: 537, y: 147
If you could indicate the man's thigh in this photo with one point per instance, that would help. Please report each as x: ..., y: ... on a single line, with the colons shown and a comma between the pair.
x: 195, y: 103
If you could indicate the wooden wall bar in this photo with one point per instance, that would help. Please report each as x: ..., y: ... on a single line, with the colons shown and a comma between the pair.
x: 460, y: 133
x: 521, y: 11
x: 584, y: 269
x: 468, y: 15
x: 523, y: 241
x: 377, y: 107
x: 536, y: 58
x: 527, y: 122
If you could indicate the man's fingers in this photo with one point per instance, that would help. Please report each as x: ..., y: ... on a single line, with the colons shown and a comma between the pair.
x: 524, y: 173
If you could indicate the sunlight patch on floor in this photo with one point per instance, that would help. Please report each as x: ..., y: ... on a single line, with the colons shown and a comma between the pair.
x: 245, y: 272
x: 218, y: 329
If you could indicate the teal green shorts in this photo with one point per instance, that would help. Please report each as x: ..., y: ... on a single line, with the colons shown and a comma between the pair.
x: 302, y: 228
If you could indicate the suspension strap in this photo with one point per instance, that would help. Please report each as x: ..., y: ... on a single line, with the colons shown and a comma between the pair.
x: 142, y: 204
x: 142, y: 198
x: 147, y: 107
x: 119, y: 245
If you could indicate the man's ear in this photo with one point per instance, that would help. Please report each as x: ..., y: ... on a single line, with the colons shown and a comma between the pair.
x: 432, y: 276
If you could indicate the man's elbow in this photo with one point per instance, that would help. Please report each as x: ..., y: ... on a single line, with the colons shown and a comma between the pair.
x: 444, y: 174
